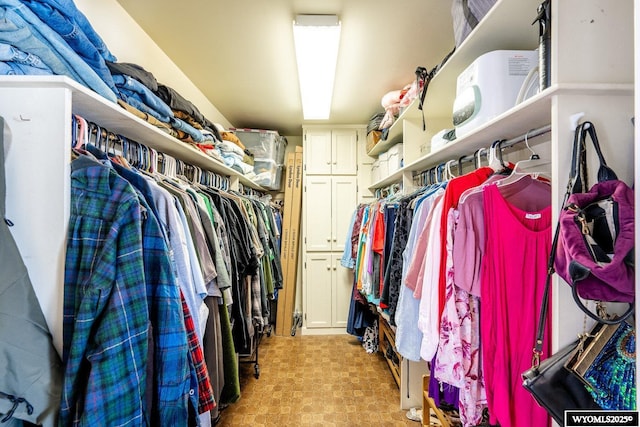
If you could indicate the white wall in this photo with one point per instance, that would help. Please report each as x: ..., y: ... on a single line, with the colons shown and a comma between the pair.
x: 129, y: 43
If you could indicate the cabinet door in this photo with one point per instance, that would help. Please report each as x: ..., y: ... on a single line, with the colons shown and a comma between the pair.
x: 318, y: 213
x: 341, y: 293
x: 345, y: 198
x: 344, y: 152
x: 317, y: 152
x: 318, y: 290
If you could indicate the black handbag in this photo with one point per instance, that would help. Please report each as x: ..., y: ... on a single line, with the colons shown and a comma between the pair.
x: 557, y: 389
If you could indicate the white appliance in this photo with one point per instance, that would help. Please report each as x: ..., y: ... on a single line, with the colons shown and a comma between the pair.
x: 489, y: 86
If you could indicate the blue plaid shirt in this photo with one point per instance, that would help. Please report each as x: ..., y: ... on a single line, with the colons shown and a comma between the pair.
x: 171, y: 366
x: 106, y: 316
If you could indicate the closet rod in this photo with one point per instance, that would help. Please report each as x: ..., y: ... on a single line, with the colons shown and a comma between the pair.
x: 530, y: 134
x: 130, y: 147
x: 511, y: 142
x: 504, y: 144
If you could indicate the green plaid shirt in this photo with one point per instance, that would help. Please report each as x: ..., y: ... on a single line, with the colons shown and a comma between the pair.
x: 106, y: 320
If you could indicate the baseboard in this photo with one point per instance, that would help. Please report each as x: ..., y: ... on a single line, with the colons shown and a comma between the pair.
x: 323, y: 331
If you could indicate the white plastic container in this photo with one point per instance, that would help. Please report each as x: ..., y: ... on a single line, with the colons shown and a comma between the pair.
x: 394, y: 158
x: 375, y: 171
x: 489, y: 87
x: 383, y: 158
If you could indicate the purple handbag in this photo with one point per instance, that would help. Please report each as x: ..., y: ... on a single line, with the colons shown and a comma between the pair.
x: 596, y: 232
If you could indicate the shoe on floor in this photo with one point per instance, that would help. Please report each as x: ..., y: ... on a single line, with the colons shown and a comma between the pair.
x: 415, y: 414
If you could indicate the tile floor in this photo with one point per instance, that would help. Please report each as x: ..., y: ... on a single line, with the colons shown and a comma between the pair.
x: 316, y: 381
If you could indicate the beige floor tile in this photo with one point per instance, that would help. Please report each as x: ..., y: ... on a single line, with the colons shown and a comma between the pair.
x: 309, y: 381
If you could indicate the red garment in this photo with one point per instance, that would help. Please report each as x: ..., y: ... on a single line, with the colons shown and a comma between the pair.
x: 452, y: 194
x: 378, y: 242
x: 206, y: 401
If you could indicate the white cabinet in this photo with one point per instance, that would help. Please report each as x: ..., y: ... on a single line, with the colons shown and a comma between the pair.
x: 330, y: 194
x: 328, y: 291
x: 330, y: 151
x: 329, y: 202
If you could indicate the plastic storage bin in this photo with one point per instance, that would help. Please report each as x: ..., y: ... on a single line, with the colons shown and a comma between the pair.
x: 264, y: 144
x: 375, y: 171
x: 394, y: 159
x: 268, y: 173
x: 383, y: 158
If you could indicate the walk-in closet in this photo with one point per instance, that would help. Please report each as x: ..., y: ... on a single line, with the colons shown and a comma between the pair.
x: 302, y: 213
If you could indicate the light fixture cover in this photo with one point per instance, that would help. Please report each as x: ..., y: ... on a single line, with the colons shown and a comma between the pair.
x: 316, y: 39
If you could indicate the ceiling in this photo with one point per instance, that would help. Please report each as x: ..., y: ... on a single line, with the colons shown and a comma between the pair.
x: 240, y: 53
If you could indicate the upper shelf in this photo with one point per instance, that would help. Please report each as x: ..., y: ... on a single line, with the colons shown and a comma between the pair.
x: 395, y: 131
x: 533, y: 113
x: 507, y: 26
x: 514, y: 20
x: 106, y: 114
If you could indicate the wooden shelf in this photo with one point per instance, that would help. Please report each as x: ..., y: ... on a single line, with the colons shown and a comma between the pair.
x: 387, y: 340
x: 111, y: 116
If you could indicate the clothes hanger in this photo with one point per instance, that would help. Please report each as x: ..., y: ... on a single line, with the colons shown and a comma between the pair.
x: 433, y: 178
x: 153, y: 161
x: 82, y: 133
x: 460, y: 160
x: 440, y: 177
x: 491, y: 156
x: 94, y: 135
x: 495, y: 156
x: 534, y: 167
x: 477, y: 157
x: 448, y: 173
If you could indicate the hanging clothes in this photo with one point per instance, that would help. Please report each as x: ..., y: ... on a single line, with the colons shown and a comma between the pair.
x: 194, y: 280
x: 170, y: 368
x: 518, y: 242
x: 106, y: 319
x: 408, y: 336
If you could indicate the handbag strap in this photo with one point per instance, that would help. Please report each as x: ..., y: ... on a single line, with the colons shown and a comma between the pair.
x: 544, y: 307
x: 427, y: 76
x: 579, y: 177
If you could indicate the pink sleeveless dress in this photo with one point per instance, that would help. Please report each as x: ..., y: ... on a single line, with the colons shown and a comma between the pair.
x: 513, y: 276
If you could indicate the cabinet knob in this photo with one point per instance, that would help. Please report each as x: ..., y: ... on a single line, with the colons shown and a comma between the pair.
x: 328, y: 163
x: 328, y: 267
x: 335, y: 240
x: 335, y: 268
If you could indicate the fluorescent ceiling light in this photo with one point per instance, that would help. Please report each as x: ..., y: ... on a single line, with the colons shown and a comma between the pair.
x: 316, y: 38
